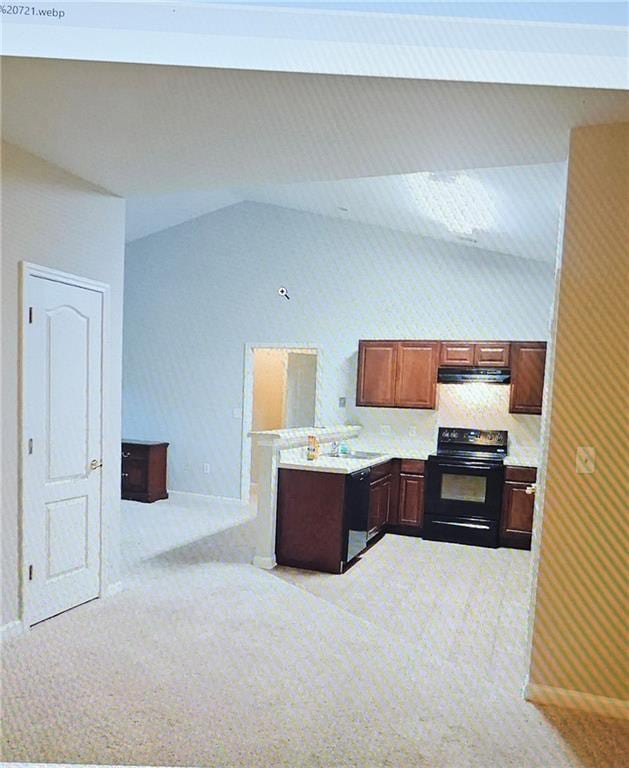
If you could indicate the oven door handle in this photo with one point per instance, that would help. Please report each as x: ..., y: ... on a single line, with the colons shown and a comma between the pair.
x: 482, y: 467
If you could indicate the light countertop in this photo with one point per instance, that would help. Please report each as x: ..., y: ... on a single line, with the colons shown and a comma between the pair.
x: 295, y: 458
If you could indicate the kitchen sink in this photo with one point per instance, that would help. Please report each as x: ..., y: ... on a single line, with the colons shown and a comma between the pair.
x: 354, y: 455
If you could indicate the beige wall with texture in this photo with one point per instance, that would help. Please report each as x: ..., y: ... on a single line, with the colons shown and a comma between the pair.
x: 580, y: 633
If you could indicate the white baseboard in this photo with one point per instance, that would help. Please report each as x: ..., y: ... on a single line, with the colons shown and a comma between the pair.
x: 267, y: 563
x: 192, y: 494
x: 585, y: 702
x: 113, y: 589
x: 12, y: 629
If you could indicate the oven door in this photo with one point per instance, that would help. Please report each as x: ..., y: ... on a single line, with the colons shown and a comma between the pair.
x: 463, y: 489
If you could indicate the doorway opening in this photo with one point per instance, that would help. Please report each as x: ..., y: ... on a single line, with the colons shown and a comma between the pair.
x: 281, y: 387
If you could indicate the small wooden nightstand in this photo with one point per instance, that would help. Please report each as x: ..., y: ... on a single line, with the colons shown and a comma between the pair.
x: 144, y: 470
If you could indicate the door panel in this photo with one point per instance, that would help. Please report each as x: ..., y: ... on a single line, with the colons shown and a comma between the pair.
x: 457, y: 353
x: 416, y: 379
x: 516, y: 525
x: 376, y: 373
x: 491, y: 354
x: 411, y: 500
x: 62, y: 436
x: 528, y: 360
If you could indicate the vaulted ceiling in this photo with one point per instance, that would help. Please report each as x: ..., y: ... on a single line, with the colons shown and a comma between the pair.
x: 140, y: 130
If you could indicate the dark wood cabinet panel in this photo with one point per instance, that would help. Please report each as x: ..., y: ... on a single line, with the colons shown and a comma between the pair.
x: 528, y: 360
x: 310, y: 524
x: 412, y: 466
x: 520, y: 474
x: 411, y: 506
x: 492, y: 354
x: 144, y: 471
x: 458, y: 353
x: 376, y: 373
x: 516, y: 524
x: 416, y: 374
x: 379, y: 504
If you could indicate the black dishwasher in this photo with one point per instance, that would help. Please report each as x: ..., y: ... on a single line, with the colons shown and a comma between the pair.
x: 356, y: 512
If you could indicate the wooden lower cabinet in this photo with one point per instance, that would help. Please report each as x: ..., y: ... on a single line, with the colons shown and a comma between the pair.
x: 411, y: 506
x: 518, y: 505
x: 310, y: 520
x: 379, y: 504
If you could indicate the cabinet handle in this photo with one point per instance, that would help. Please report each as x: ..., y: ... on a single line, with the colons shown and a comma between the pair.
x: 126, y: 454
x: 125, y: 474
x: 531, y: 489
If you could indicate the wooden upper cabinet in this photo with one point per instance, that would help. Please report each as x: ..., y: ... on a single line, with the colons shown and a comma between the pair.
x: 457, y: 353
x: 528, y: 360
x: 492, y: 354
x: 416, y: 374
x: 376, y: 373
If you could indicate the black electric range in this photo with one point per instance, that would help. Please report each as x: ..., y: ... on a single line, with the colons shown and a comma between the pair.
x: 464, y: 482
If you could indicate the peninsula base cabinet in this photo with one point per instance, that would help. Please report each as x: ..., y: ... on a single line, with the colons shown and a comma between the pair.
x: 518, y: 506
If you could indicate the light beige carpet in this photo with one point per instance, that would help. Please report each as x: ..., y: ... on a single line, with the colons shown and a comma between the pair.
x: 205, y: 660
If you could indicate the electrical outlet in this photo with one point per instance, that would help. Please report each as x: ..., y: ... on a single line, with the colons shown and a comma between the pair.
x: 585, y: 460
x: 206, y: 469
x: 412, y: 431
x: 385, y: 429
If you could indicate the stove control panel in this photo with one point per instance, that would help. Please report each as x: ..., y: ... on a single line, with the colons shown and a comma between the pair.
x: 472, y: 437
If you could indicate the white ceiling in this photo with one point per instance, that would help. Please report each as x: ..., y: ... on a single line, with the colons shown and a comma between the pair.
x: 511, y: 210
x: 140, y: 130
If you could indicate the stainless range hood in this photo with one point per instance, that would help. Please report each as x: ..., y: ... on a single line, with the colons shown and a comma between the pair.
x: 452, y: 375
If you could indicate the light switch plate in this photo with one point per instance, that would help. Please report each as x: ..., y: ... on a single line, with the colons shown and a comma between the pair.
x: 586, y: 459
x: 385, y: 429
x: 342, y: 402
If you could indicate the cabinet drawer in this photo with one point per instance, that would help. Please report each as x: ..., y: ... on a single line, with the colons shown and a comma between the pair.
x: 456, y: 353
x: 135, y: 451
x: 521, y: 474
x: 492, y: 354
x: 412, y: 466
x: 380, y: 471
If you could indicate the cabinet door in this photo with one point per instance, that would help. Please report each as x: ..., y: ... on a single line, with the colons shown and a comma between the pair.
x: 528, y: 359
x: 492, y: 354
x: 411, y: 511
x: 416, y: 376
x: 385, y: 501
x: 516, y: 525
x: 379, y: 504
x: 457, y: 353
x: 134, y: 475
x: 376, y: 373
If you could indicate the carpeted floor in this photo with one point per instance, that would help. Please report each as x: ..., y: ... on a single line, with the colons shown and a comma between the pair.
x: 412, y: 659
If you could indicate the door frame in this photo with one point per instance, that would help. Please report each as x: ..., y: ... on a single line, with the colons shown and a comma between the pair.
x: 247, y: 403
x: 29, y: 270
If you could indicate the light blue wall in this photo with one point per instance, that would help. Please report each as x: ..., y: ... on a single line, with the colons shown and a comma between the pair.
x: 197, y: 293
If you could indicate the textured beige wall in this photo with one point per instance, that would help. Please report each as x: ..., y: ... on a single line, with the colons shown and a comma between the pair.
x: 579, y: 634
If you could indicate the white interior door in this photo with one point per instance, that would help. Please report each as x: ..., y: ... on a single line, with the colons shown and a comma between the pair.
x: 301, y: 383
x: 61, y: 445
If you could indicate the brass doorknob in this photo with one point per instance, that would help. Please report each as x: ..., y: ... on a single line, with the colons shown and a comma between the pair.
x: 95, y: 464
x: 531, y: 489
